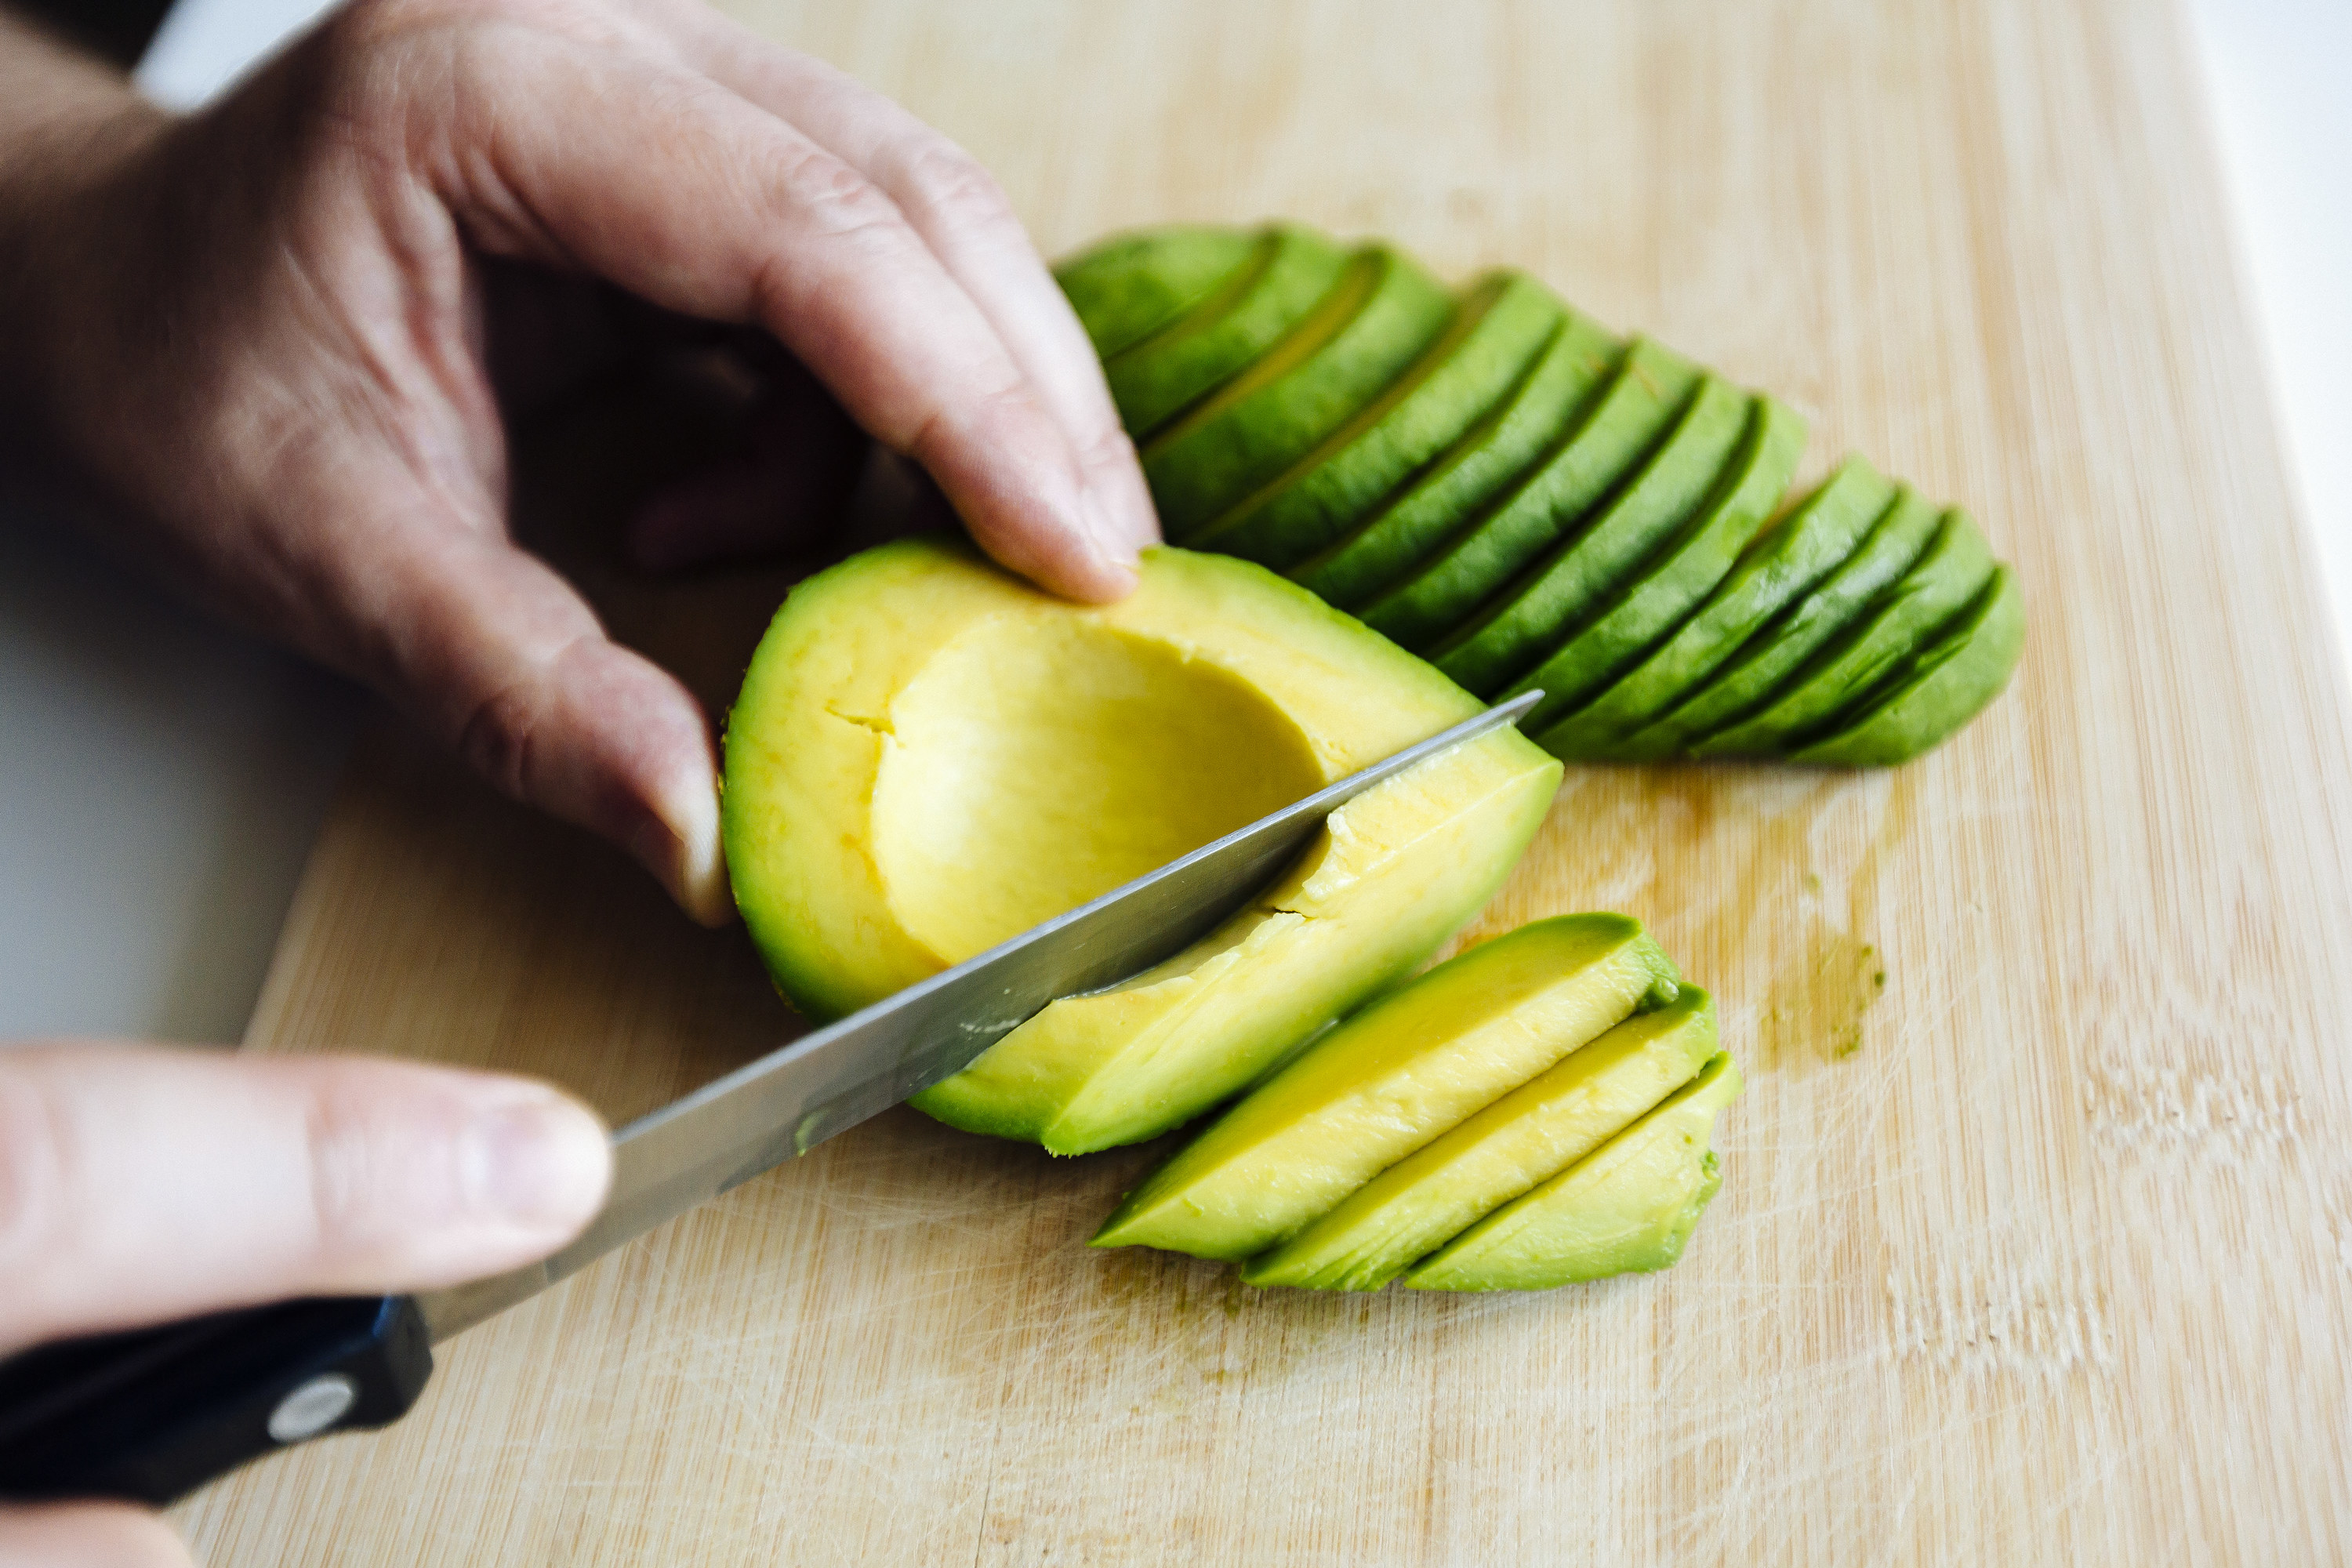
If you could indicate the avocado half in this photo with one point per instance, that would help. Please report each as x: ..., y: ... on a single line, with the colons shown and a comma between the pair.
x: 930, y: 756
x: 1505, y: 489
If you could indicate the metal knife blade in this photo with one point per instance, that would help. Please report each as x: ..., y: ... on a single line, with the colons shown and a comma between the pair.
x: 788, y: 1101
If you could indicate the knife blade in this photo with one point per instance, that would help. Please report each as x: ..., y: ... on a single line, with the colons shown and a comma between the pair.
x: 152, y: 1414
x: 797, y: 1096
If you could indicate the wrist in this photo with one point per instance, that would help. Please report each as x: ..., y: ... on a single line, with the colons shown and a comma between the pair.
x: 70, y: 129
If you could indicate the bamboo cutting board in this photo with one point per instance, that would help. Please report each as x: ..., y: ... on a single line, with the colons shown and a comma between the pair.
x: 2040, y: 1251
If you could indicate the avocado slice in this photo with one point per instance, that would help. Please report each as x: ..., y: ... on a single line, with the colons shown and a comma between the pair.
x: 1502, y: 324
x: 1891, y: 631
x: 1128, y: 288
x: 1391, y: 1079
x: 929, y: 755
x: 1784, y: 562
x: 1157, y: 378
x: 1627, y: 1208
x: 1379, y: 318
x: 1682, y: 573
x: 1948, y: 686
x: 1532, y: 614
x: 1650, y: 390
x: 1531, y: 1134
x: 1763, y: 665
x: 1489, y: 459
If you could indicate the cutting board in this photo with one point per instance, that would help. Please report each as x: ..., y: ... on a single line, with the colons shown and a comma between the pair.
x: 2034, y: 1244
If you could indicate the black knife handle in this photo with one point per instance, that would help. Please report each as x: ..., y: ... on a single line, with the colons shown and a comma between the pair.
x: 152, y: 1414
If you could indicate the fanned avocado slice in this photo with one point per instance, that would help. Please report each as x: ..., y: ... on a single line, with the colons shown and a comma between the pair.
x: 1893, y: 628
x: 1523, y: 1139
x: 1396, y: 1076
x: 1497, y: 484
x: 1786, y: 561
x: 1681, y: 574
x: 1502, y: 324
x: 1560, y: 590
x: 1770, y: 657
x: 1651, y: 389
x: 1128, y: 288
x: 1627, y: 1208
x: 1487, y: 461
x: 1353, y: 345
x: 1948, y: 686
x: 1155, y: 378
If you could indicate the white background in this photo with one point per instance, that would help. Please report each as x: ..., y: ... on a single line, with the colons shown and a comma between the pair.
x: 160, y: 779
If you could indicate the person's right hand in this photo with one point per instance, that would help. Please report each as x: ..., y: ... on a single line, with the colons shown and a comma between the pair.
x: 262, y: 330
x: 140, y: 1184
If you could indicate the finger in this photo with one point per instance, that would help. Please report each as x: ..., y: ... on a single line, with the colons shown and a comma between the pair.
x: 961, y: 213
x: 684, y: 192
x: 499, y: 658
x: 142, y: 1184
x: 88, y: 1535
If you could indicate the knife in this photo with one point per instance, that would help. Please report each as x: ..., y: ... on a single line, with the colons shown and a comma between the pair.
x: 152, y: 1414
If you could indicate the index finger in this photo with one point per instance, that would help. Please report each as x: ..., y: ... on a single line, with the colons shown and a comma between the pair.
x: 961, y: 214
x: 684, y: 192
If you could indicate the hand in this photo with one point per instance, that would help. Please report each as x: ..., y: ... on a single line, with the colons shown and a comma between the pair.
x: 140, y: 1184
x: 267, y: 331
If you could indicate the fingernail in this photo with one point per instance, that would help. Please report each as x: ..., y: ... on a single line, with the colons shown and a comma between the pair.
x: 1112, y: 541
x: 680, y: 844
x: 540, y: 1161
x: 1128, y: 500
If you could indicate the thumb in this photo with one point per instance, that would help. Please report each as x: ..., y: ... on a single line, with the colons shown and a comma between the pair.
x: 87, y: 1535
x: 142, y: 1184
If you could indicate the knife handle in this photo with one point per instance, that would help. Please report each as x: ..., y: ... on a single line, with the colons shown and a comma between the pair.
x: 152, y: 1414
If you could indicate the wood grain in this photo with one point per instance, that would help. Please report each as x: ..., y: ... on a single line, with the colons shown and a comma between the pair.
x: 2040, y: 1253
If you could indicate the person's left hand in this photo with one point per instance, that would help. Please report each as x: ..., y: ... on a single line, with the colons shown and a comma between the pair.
x: 267, y: 331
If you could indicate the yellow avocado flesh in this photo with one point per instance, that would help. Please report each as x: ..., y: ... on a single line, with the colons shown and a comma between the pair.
x: 1394, y: 873
x: 1627, y: 1208
x: 1036, y: 765
x: 930, y: 756
x: 1387, y: 1081
x: 1530, y: 1135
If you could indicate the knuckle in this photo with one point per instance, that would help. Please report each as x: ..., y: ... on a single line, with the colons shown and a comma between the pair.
x: 996, y: 416
x: 836, y: 199
x: 336, y: 1148
x: 518, y: 716
x: 1111, y: 446
x: 953, y: 187
x: 499, y: 734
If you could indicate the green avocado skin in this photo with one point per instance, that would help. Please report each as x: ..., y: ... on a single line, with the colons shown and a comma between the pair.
x: 1560, y: 591
x: 1686, y: 569
x: 1763, y: 667
x: 1488, y: 348
x: 1784, y: 562
x: 1651, y: 389
x: 1484, y: 463
x: 1843, y: 676
x: 1504, y: 487
x: 1948, y: 685
x: 1159, y: 378
x: 1252, y: 431
x: 1128, y: 288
